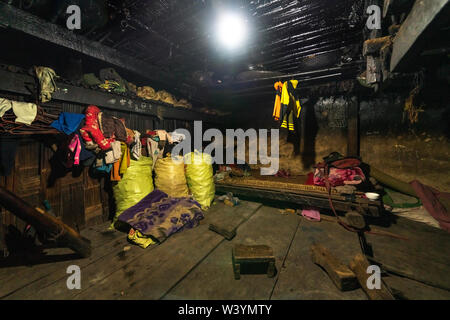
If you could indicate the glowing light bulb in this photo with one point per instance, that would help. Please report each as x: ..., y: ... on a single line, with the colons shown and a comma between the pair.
x: 231, y: 30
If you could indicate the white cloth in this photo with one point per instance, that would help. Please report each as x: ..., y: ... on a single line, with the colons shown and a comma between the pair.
x: 25, y: 112
x: 113, y: 155
x: 5, y: 105
x: 177, y: 137
x: 136, y: 151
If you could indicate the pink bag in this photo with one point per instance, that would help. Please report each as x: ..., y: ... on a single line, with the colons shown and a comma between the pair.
x: 339, y: 177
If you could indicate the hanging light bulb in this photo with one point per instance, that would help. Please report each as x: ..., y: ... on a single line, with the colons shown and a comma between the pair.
x: 231, y: 30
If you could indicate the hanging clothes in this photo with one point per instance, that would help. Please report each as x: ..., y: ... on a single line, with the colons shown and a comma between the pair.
x: 112, y: 127
x: 125, y: 159
x: 74, y: 151
x: 137, y: 148
x: 277, y: 107
x: 91, y: 131
x: 25, y: 112
x: 113, y: 155
x: 290, y: 105
x: 68, y: 122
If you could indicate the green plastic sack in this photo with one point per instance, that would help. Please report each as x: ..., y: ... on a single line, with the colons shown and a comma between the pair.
x: 135, y: 184
x: 170, y: 177
x: 199, y: 176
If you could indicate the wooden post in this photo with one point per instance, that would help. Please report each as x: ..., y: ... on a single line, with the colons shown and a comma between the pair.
x: 340, y: 274
x: 353, y: 128
x: 359, y: 266
x: 45, y: 223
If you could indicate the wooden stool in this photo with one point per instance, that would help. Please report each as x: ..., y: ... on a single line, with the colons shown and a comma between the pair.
x: 257, y: 257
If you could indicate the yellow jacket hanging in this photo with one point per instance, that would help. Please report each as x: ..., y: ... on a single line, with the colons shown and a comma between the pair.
x: 290, y: 105
x: 277, y: 107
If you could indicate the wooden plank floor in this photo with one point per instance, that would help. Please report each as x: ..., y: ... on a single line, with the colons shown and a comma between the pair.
x: 196, y: 263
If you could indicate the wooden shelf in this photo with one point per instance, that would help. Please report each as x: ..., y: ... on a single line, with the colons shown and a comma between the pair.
x: 20, y: 83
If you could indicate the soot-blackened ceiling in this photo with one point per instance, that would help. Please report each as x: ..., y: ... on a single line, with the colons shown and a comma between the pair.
x: 311, y: 40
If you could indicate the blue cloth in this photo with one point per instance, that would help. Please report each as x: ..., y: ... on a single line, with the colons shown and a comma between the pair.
x: 68, y: 122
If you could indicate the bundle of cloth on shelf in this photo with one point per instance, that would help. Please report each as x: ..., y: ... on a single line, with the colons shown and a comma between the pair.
x: 47, y: 84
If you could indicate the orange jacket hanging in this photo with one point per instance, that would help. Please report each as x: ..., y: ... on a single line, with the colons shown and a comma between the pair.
x: 277, y: 107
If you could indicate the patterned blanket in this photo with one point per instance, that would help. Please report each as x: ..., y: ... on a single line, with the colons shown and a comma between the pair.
x: 159, y: 216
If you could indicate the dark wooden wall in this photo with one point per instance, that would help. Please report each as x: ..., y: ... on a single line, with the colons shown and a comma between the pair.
x: 78, y: 198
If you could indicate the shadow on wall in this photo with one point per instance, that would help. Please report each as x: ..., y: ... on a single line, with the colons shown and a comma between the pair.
x: 311, y: 128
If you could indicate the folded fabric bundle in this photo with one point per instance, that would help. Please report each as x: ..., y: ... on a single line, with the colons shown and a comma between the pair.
x: 176, y: 136
x: 68, y: 122
x: 166, y: 97
x: 159, y: 216
x: 114, y: 154
x: 311, y: 214
x: 25, y: 112
x: 112, y: 127
x: 47, y: 83
x: 147, y: 93
x: 183, y: 103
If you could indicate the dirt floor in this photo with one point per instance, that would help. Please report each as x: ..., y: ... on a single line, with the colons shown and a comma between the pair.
x: 197, y: 264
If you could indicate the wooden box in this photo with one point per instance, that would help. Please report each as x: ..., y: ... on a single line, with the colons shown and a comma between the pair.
x: 253, y: 260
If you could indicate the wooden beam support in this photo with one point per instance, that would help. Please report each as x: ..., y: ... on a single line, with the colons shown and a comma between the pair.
x: 424, y: 18
x: 340, y: 274
x: 45, y: 223
x: 14, y: 18
x: 359, y: 266
x: 353, y: 128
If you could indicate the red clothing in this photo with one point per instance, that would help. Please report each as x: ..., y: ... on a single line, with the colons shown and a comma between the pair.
x: 91, y: 131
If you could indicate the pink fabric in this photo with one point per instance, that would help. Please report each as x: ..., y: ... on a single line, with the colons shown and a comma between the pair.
x: 339, y: 177
x: 311, y: 214
x: 75, y: 149
x: 430, y: 199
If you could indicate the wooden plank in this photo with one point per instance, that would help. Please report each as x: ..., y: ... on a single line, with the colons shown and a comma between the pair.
x: 370, y: 207
x: 412, y: 290
x: 340, y: 274
x: 423, y: 257
x: 230, y: 218
x: 24, y: 282
x: 424, y: 18
x: 359, y: 265
x: 23, y: 21
x: 301, y: 279
x: 159, y: 269
x: 17, y: 83
x: 214, y: 277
